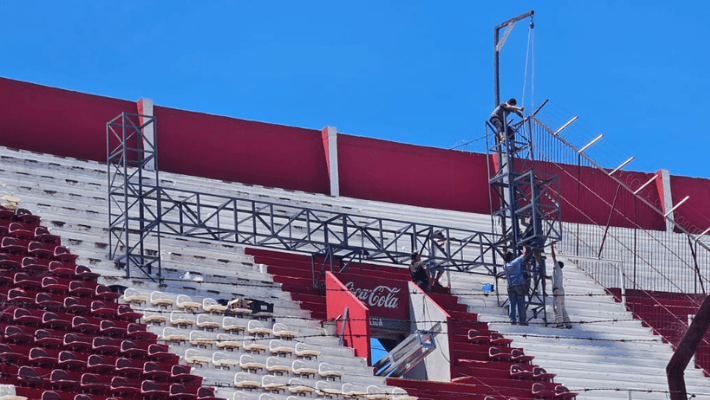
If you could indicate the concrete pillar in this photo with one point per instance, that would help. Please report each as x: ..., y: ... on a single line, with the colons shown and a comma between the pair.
x: 145, y: 107
x: 330, y: 145
x: 666, y: 197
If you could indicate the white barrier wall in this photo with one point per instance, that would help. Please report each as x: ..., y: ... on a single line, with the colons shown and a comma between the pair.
x: 424, y: 314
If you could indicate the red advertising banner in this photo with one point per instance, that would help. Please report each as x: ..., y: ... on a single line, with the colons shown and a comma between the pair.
x: 387, y: 298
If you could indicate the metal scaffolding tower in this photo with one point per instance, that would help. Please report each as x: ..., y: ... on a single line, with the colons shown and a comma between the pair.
x: 134, y: 206
x: 529, y: 211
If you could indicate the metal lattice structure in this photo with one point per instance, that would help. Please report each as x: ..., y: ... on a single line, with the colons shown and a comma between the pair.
x: 134, y: 206
x: 529, y: 213
x: 141, y: 210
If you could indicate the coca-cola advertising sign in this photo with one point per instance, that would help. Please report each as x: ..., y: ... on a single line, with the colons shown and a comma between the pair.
x: 384, y: 297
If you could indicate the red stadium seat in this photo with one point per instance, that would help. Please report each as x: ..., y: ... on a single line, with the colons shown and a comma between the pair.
x: 77, y: 305
x: 84, y: 325
x: 180, y: 392
x: 138, y: 332
x: 498, y: 340
x: 29, y: 377
x: 41, y: 234
x: 205, y: 393
x: 63, y: 254
x: 153, y: 390
x: 19, y: 230
x: 50, y: 302
x: 122, y: 387
x: 39, y: 357
x: 160, y: 352
x: 61, y: 380
x: 48, y: 339
x: 9, y: 355
x: 126, y: 368
x: 98, y: 364
x: 561, y: 392
x: 12, y: 246
x: 474, y: 336
x: 19, y: 297
x: 51, y: 320
x: 539, y: 390
x: 9, y: 263
x: 539, y: 374
x: 181, y: 374
x: 70, y: 361
x: 38, y: 249
x: 154, y: 371
x: 106, y: 346
x: 18, y: 334
x: 518, y: 356
x: 32, y: 265
x: 125, y: 313
x: 131, y: 349
x: 27, y: 317
x: 26, y: 217
x: 78, y: 288
x: 109, y: 328
x: 100, y: 309
x: 103, y: 292
x: 54, y: 285
x: 496, y: 354
x: 25, y: 281
x: 74, y: 342
x: 518, y: 372
x: 95, y: 384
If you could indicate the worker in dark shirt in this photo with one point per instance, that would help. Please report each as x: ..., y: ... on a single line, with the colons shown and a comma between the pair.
x: 499, y: 117
x: 419, y: 271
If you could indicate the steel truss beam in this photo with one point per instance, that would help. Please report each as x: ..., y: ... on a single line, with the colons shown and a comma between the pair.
x: 141, y: 211
x: 325, y: 234
x: 134, y: 207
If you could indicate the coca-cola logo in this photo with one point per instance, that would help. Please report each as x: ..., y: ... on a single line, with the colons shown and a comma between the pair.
x: 381, y: 296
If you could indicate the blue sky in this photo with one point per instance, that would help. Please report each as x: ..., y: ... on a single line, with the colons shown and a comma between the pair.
x: 407, y: 71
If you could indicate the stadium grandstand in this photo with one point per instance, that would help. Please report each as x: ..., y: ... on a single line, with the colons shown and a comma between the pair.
x: 156, y: 253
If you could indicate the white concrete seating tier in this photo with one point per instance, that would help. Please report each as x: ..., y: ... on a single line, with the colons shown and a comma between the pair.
x: 590, y: 355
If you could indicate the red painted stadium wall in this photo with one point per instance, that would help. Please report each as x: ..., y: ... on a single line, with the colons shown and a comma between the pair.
x: 56, y: 121
x: 66, y: 123
x: 241, y: 151
x: 587, y: 194
x: 423, y: 176
x: 357, y: 327
x: 693, y: 215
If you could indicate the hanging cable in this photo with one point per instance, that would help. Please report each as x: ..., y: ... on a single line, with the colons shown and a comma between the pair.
x: 525, y: 74
x: 532, y: 64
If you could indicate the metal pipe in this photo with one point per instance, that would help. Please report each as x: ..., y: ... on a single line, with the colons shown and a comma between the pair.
x: 566, y: 125
x: 676, y: 206
x: 621, y: 166
x: 702, y: 234
x: 590, y: 144
x: 540, y: 108
x: 646, y: 184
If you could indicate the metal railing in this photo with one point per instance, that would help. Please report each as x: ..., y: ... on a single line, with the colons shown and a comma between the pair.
x: 616, y: 232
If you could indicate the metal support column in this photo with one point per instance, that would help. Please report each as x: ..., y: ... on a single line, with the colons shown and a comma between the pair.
x: 134, y: 204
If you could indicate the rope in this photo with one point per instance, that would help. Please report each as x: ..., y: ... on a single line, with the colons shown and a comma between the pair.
x: 530, y: 58
x: 525, y: 74
x: 532, y: 66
